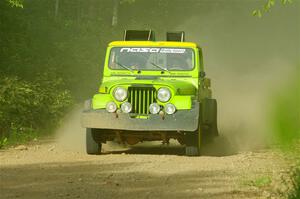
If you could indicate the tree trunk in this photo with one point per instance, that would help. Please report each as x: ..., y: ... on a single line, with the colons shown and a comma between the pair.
x: 56, y: 8
x: 114, y: 21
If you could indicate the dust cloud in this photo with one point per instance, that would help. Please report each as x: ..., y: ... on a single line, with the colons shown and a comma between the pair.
x: 70, y: 135
x: 248, y: 59
x: 244, y: 104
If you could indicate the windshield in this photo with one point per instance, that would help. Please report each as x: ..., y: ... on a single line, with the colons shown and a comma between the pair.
x: 143, y: 58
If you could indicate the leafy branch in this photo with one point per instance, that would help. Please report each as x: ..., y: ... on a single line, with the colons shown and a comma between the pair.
x: 267, y: 7
x: 15, y: 3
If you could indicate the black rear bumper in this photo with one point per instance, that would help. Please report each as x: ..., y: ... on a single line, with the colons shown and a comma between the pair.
x: 182, y: 120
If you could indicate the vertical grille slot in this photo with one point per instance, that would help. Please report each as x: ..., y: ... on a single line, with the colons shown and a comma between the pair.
x: 141, y: 98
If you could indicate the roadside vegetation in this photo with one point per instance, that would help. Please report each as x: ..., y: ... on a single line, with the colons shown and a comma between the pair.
x: 286, y: 127
x: 29, y: 108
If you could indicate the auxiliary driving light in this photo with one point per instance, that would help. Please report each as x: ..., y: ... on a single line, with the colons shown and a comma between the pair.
x: 111, y: 107
x: 170, y: 108
x: 154, y: 108
x: 163, y: 94
x: 120, y: 94
x: 126, y: 107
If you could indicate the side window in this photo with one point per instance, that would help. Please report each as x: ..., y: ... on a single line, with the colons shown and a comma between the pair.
x: 112, y: 60
x: 190, y: 62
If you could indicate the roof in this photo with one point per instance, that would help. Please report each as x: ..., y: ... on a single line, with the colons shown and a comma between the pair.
x: 153, y: 44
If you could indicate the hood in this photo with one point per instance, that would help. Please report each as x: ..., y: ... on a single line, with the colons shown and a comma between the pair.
x: 181, y: 86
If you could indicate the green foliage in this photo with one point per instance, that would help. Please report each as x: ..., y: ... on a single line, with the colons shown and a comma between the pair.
x: 27, y: 106
x: 286, y: 126
x: 3, y: 142
x: 19, y: 135
x: 286, y: 114
x: 267, y: 7
x: 33, y: 39
x: 16, y: 3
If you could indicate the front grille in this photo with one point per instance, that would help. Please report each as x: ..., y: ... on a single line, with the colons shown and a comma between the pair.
x: 141, y: 98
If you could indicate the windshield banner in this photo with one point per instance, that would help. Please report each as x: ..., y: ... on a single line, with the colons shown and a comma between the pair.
x: 153, y: 50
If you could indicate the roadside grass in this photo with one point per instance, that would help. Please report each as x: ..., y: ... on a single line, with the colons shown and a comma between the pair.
x: 23, y: 135
x: 259, y: 182
x: 295, y: 159
x: 296, y: 194
x: 18, y: 136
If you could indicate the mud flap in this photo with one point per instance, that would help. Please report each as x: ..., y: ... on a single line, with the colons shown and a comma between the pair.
x: 209, y: 116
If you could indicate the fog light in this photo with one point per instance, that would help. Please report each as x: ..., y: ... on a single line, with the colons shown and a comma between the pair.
x: 111, y: 107
x: 126, y: 107
x: 170, y: 109
x: 154, y: 108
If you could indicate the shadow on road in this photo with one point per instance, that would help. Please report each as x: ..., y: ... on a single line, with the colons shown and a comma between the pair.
x: 116, y: 180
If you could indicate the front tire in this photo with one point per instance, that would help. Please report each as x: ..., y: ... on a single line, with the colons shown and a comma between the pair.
x: 193, y: 143
x: 192, y: 151
x: 92, y: 147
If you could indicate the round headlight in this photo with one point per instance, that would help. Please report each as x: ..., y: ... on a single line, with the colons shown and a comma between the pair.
x: 154, y: 108
x: 170, y: 109
x: 120, y: 94
x: 163, y: 94
x: 111, y: 107
x: 126, y: 107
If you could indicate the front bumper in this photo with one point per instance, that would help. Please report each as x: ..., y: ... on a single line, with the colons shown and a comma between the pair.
x: 182, y: 120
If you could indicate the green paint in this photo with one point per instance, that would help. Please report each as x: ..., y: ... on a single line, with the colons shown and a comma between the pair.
x: 182, y: 102
x: 100, y: 100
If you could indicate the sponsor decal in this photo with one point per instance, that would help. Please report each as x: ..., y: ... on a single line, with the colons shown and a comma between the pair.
x: 153, y: 50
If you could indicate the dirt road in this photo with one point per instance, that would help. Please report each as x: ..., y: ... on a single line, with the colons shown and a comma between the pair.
x: 47, y: 170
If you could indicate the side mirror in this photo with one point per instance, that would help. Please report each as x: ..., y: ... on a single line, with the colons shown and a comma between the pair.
x: 202, y: 74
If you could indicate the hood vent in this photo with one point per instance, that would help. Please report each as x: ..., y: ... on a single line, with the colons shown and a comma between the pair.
x: 148, y: 35
x: 139, y: 35
x: 176, y: 36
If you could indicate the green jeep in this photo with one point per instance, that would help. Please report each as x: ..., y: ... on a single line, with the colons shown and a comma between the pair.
x: 151, y: 90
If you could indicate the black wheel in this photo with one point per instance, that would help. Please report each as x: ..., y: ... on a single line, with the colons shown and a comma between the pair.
x: 92, y: 147
x: 193, y: 143
x: 192, y: 151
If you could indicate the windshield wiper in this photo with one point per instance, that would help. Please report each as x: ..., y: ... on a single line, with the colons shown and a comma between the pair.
x: 160, y: 67
x: 123, y: 66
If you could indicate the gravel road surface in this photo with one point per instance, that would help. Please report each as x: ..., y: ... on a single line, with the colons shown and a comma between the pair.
x: 45, y: 169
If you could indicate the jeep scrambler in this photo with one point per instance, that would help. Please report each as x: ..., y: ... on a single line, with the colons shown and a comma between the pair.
x: 151, y: 90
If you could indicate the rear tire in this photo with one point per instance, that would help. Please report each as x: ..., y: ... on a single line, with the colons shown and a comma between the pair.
x: 92, y: 147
